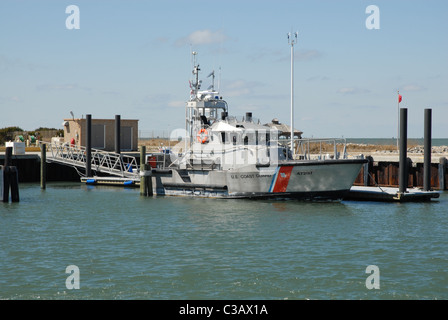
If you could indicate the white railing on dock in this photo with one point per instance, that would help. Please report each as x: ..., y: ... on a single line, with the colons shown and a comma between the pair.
x: 320, y: 149
x: 101, y: 161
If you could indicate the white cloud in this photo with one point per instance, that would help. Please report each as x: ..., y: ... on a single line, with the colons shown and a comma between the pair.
x: 10, y: 64
x: 318, y: 78
x: 176, y: 104
x: 10, y: 99
x: 302, y: 55
x: 240, y: 87
x: 307, y: 55
x: 413, y: 88
x: 352, y: 90
x: 61, y: 87
x: 205, y: 36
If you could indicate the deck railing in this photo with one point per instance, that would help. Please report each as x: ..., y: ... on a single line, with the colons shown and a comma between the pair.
x: 320, y: 149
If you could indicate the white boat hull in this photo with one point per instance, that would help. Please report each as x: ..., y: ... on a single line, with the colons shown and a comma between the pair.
x: 330, y: 179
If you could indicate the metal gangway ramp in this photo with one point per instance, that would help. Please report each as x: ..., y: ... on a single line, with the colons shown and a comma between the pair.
x: 104, y: 162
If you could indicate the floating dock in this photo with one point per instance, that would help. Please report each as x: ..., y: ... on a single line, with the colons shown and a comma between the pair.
x: 111, y: 181
x: 387, y: 194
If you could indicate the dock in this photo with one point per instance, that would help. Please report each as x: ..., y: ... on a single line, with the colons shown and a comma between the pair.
x: 391, y: 177
x: 111, y: 181
x: 389, y: 194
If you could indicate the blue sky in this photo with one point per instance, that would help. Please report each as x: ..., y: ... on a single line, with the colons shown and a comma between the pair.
x: 133, y: 58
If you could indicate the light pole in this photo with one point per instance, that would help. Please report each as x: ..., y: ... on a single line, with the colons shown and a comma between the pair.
x: 292, y: 40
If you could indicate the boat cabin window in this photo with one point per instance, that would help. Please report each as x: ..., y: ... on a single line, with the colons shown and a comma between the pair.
x: 250, y: 138
x: 204, y: 120
x: 223, y: 137
x: 261, y: 138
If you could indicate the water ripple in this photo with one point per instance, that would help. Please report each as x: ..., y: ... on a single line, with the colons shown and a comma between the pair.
x: 130, y: 247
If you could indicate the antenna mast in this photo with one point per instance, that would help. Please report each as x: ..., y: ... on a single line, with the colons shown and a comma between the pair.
x: 196, y: 83
x: 292, y: 40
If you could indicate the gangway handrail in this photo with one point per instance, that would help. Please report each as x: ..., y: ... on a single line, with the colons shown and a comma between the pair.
x: 101, y: 161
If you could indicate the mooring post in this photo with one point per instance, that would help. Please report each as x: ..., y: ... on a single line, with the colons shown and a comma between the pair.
x: 89, y: 145
x: 1, y: 181
x: 117, y: 133
x: 427, y: 150
x: 366, y: 170
x: 145, y: 175
x: 142, y: 171
x: 10, y: 178
x: 442, y: 169
x: 5, y: 183
x: 403, y: 173
x: 14, y: 183
x: 148, y: 180
x: 43, y: 166
x: 8, y: 156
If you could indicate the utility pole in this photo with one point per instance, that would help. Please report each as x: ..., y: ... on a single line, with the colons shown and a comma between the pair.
x: 292, y: 40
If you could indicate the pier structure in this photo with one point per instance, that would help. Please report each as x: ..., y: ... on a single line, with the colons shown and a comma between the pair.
x: 382, y: 169
x: 103, y: 162
x: 405, y: 174
x: 111, y: 167
x: 386, y: 176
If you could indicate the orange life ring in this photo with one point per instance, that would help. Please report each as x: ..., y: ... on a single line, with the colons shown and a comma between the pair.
x: 202, y: 136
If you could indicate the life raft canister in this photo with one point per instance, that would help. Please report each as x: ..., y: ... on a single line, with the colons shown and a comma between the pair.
x: 202, y: 136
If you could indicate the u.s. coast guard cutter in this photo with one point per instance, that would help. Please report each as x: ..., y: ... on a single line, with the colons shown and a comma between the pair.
x: 225, y: 157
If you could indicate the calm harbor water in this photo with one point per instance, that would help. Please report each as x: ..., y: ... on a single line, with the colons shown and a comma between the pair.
x: 132, y: 247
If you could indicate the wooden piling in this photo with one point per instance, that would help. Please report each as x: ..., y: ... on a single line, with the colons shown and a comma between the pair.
x: 145, y: 175
x: 89, y: 145
x: 427, y: 152
x: 142, y: 171
x: 5, y: 184
x: 43, y: 166
x: 403, y: 176
x: 10, y: 178
x: 8, y: 157
x: 5, y: 173
x: 442, y: 170
x: 365, y: 172
x: 14, y: 183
